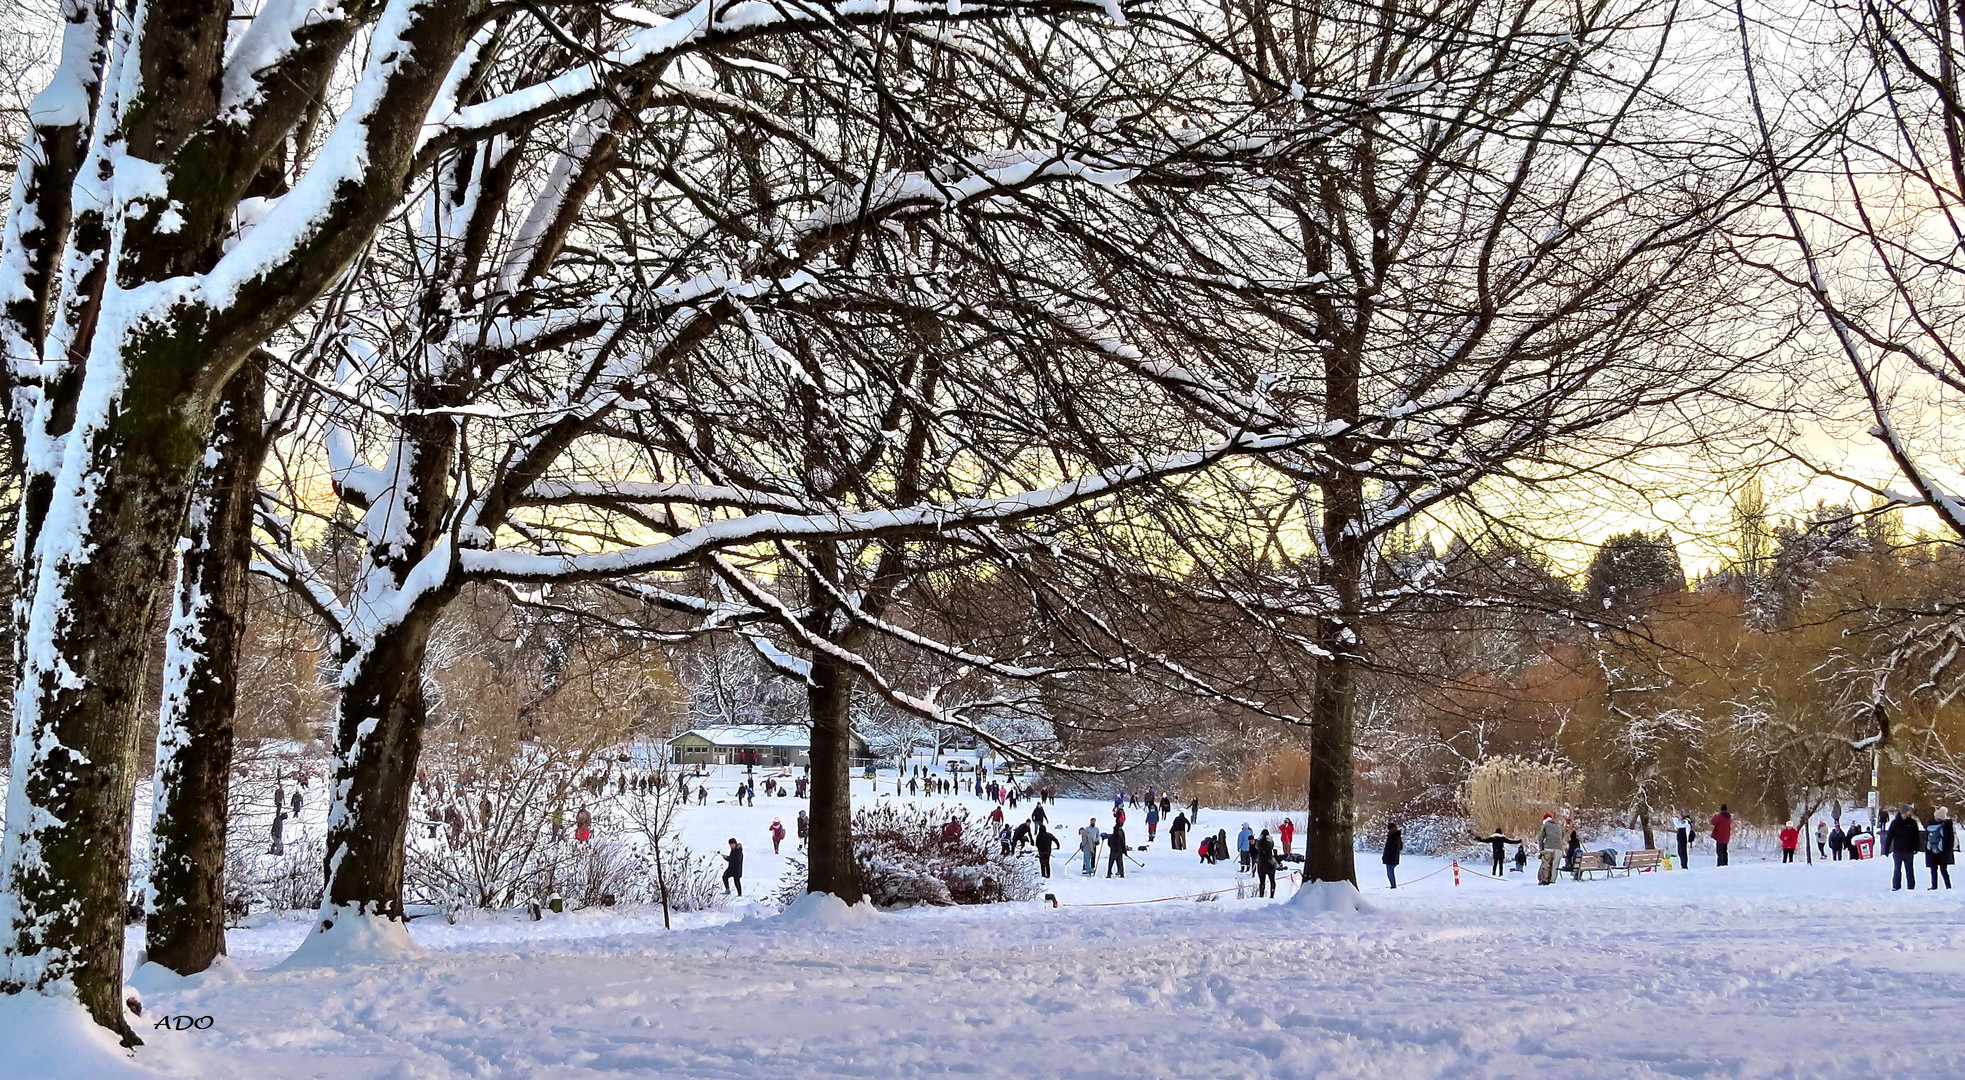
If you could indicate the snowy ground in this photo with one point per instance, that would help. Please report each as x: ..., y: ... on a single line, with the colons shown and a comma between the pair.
x: 1757, y: 970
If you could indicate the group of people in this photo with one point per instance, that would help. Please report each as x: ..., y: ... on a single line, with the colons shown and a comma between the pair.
x: 1905, y: 838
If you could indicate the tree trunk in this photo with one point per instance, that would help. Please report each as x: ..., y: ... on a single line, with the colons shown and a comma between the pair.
x: 1329, y: 840
x: 378, y: 739
x: 831, y: 868
x: 185, y: 909
x: 103, y: 555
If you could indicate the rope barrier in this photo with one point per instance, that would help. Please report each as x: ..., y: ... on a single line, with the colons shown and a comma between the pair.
x: 1155, y: 900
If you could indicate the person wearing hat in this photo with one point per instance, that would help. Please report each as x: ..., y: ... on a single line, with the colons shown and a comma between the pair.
x: 1551, y: 840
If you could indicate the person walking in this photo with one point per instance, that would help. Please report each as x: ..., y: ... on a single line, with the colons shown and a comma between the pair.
x: 1265, y: 865
x: 1286, y: 832
x: 1790, y: 840
x: 1901, y: 842
x: 804, y: 826
x: 583, y: 826
x: 1020, y: 838
x: 777, y: 834
x: 279, y: 831
x: 1088, y: 838
x: 1685, y: 838
x: 296, y: 802
x: 1039, y: 817
x: 1395, y: 845
x: 1152, y: 821
x: 1242, y: 841
x: 1117, y: 842
x: 733, y: 868
x: 1821, y: 839
x: 1722, y: 826
x: 1194, y: 811
x: 559, y: 825
x: 1551, y: 843
x: 1837, y: 841
x: 1046, y: 842
x: 1940, y: 845
x: 1497, y: 842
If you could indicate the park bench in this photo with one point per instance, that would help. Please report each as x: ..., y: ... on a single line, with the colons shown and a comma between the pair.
x: 1593, y: 862
x: 1647, y: 859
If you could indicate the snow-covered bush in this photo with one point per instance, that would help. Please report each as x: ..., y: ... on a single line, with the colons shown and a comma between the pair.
x: 906, y: 857
x: 695, y: 881
x: 258, y: 881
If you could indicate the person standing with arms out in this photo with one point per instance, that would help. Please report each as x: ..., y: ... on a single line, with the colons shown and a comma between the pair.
x: 1497, y: 842
x: 1046, y: 841
x: 1722, y: 834
x: 1940, y: 845
x: 1395, y: 845
x: 1790, y: 840
x: 1117, y: 843
x: 1685, y: 838
x: 733, y: 868
x: 1551, y: 842
x: 1287, y: 833
x: 1902, y: 841
x: 1088, y: 838
x: 1265, y: 865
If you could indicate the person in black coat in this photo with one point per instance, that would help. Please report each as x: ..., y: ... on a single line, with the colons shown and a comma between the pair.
x: 1395, y: 845
x: 1177, y: 832
x: 1902, y: 841
x: 1116, y: 842
x: 1264, y: 851
x: 733, y: 869
x: 1499, y: 841
x: 1837, y: 841
x: 1046, y: 842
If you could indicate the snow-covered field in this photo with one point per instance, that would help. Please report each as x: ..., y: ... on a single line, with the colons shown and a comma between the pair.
x: 1756, y: 970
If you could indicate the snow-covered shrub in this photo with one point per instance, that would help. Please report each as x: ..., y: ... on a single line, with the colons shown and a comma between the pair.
x: 906, y: 858
x: 695, y: 881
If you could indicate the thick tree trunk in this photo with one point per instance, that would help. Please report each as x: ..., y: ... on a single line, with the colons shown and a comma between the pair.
x: 379, y: 727
x: 1329, y: 841
x: 378, y: 739
x: 103, y: 555
x: 831, y: 868
x: 185, y: 924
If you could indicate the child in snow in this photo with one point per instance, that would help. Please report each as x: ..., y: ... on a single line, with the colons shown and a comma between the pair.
x: 777, y: 834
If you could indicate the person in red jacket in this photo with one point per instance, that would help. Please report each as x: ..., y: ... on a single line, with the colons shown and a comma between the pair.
x: 777, y: 834
x: 1790, y: 839
x: 1286, y: 832
x: 1722, y: 832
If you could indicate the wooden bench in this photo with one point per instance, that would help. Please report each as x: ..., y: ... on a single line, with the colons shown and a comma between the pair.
x: 1646, y: 859
x: 1593, y: 862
